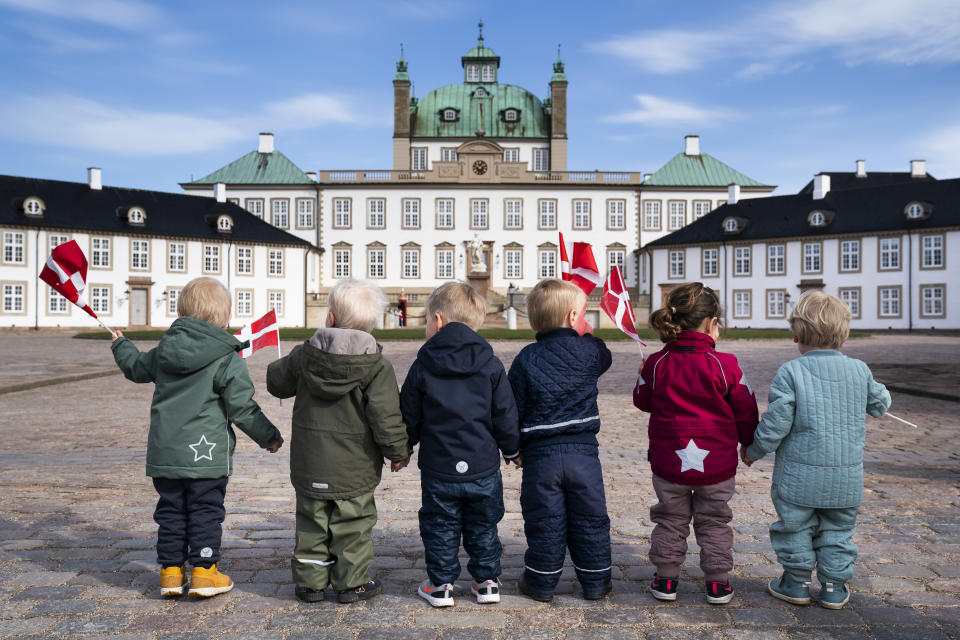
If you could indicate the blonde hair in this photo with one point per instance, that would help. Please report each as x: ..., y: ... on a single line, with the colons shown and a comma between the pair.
x: 205, y: 299
x: 685, y: 308
x: 356, y: 304
x: 457, y: 302
x: 550, y: 303
x: 820, y: 320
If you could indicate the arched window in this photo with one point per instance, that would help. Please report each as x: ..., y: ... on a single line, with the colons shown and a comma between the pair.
x: 915, y: 210
x: 33, y: 207
x: 473, y: 73
x: 224, y: 223
x: 489, y: 74
x: 136, y: 215
x: 817, y: 219
x: 730, y: 225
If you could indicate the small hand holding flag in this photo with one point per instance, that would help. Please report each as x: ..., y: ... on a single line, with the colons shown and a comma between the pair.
x: 261, y: 333
x: 66, y: 272
x: 616, y: 303
x: 578, y: 265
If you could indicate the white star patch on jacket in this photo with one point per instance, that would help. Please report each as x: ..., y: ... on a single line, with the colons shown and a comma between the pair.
x: 691, y: 457
x: 199, y: 444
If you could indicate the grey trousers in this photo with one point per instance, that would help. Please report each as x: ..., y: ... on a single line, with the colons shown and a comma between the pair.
x: 707, y: 506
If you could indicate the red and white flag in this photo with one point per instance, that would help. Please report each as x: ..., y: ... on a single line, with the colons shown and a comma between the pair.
x: 66, y: 273
x: 578, y: 265
x: 261, y: 333
x: 616, y: 302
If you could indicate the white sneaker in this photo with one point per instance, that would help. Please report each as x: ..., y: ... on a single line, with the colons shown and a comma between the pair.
x: 487, y: 591
x: 441, y: 596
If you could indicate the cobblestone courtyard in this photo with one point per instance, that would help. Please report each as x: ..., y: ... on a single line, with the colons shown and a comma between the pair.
x: 76, y: 534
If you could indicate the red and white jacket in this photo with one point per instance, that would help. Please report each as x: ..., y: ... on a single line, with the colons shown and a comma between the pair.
x: 700, y: 406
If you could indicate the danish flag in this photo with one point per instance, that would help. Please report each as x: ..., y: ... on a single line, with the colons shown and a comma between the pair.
x: 261, y: 333
x: 616, y: 302
x: 578, y: 265
x: 66, y: 273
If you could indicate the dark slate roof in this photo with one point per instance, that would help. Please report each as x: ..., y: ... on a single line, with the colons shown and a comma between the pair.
x: 75, y: 206
x: 859, y: 211
x: 849, y: 179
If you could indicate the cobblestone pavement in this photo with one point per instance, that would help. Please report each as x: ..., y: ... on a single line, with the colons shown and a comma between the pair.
x: 76, y: 534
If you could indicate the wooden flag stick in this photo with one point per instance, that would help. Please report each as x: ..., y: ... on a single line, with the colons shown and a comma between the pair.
x: 105, y: 326
x: 899, y: 419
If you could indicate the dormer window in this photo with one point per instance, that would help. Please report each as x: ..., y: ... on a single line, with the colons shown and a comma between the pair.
x: 511, y: 115
x: 819, y: 219
x: 136, y: 215
x: 450, y: 115
x: 473, y: 73
x: 917, y: 210
x: 224, y: 223
x: 730, y: 225
x: 480, y: 93
x: 489, y: 74
x: 33, y: 206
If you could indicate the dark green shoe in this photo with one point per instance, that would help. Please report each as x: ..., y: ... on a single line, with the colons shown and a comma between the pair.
x: 833, y: 595
x: 790, y: 588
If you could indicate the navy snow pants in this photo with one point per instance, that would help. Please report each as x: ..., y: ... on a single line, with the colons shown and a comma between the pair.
x: 564, y: 507
x: 188, y: 514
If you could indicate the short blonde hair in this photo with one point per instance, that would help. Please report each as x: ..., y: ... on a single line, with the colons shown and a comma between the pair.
x: 205, y: 299
x: 356, y: 304
x: 820, y: 320
x: 550, y: 303
x: 457, y: 302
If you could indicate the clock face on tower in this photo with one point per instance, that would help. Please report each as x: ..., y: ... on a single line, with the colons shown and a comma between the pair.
x: 479, y: 167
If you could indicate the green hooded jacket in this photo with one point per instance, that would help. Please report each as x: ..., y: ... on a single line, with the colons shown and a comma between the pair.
x: 346, y: 418
x: 202, y: 385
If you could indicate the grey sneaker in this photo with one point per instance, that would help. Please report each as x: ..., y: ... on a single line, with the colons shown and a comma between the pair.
x: 790, y: 588
x: 833, y: 595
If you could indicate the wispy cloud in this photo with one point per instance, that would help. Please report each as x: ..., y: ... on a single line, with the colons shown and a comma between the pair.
x: 63, y: 41
x: 121, y: 14
x: 940, y: 148
x: 654, y: 110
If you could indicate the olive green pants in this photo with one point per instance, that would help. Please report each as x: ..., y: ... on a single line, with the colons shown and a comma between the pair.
x: 334, y: 542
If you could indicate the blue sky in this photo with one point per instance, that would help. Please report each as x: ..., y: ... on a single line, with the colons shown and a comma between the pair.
x: 155, y: 93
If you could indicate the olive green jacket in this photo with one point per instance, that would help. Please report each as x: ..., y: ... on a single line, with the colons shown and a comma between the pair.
x: 202, y: 385
x: 346, y: 416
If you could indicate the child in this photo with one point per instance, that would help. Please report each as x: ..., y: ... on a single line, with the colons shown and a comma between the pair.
x: 700, y: 405
x: 346, y: 420
x: 815, y: 423
x: 202, y: 385
x: 458, y: 406
x: 555, y: 383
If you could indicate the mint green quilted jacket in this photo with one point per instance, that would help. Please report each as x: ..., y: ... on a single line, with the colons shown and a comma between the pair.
x: 816, y: 423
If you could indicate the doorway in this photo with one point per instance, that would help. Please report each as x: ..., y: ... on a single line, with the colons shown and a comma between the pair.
x: 139, y: 308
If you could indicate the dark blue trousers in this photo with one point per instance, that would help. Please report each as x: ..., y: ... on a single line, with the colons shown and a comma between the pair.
x: 468, y: 509
x: 564, y: 507
x: 188, y: 514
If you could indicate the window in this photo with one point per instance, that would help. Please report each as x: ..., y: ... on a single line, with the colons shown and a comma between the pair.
x: 275, y: 262
x: 305, y: 213
x: 100, y: 253
x: 511, y: 115
x: 651, y: 215
x: 341, y: 213
x: 811, y: 257
x: 411, y: 263
x: 817, y: 219
x: 14, y: 247
x: 33, y: 207
x: 548, y: 263
x: 450, y: 115
x: 275, y: 302
x: 776, y: 303
x: 56, y: 240
x: 448, y: 154
x: 889, y: 254
x: 730, y: 225
x: 211, y: 258
x: 244, y: 261
x: 741, y: 304
x: 513, y: 259
x: 173, y: 297
x: 851, y: 298
x: 140, y: 254
x: 100, y: 300
x: 255, y: 206
x: 480, y: 93
x: 56, y: 303
x: 616, y: 218
x: 513, y: 214
x: 776, y: 260
x: 13, y: 298
x: 915, y: 210
x: 581, y: 214
x: 341, y: 263
x: 478, y: 214
x: 700, y: 208
x: 488, y: 73
x: 849, y: 255
x: 244, y: 302
x: 411, y: 213
x: 445, y: 264
x: 710, y: 266
x: 376, y: 216
x: 280, y: 213
x: 418, y: 159
x: 678, y: 214
x: 676, y: 264
x: 511, y: 155
x: 931, y: 301
x: 741, y: 261
x: 376, y: 259
x: 136, y: 215
x: 473, y: 73
x: 177, y: 256
x: 548, y: 214
x: 889, y: 302
x: 444, y: 213
x: 932, y: 253
x: 615, y: 258
x: 224, y: 223
x: 541, y: 160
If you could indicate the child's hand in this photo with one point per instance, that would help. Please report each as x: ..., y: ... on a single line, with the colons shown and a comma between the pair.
x: 273, y: 448
x: 396, y: 466
x: 743, y: 456
x: 116, y: 334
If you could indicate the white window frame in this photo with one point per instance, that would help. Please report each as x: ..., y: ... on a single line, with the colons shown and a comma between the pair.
x: 342, y: 213
x: 100, y: 252
x: 376, y: 213
x: 849, y: 256
x: 889, y: 303
x: 411, y: 213
x: 776, y: 259
x: 701, y: 208
x: 280, y: 213
x: 341, y: 263
x: 444, y: 264
x: 444, y: 213
x: 547, y: 213
x: 473, y: 73
x: 177, y: 257
x: 56, y: 303
x: 255, y: 207
x: 581, y: 214
x: 547, y: 263
x: 511, y: 154
x: 541, y: 159
x: 513, y: 261
x: 173, y: 297
x: 100, y: 299
x: 211, y: 258
x: 14, y: 298
x: 651, y: 215
x: 14, y: 247
x: 244, y: 261
x: 377, y: 263
x: 676, y: 260
x: 616, y: 214
x: 275, y: 263
x: 742, y: 261
x: 479, y: 213
x: 850, y: 296
x: 742, y: 304
x: 418, y: 158
x: 812, y: 259
x: 275, y: 301
x: 931, y: 257
x: 513, y: 213
x: 617, y: 257
x: 448, y: 154
x: 305, y: 213
x: 244, y: 299
x: 713, y: 259
x: 677, y: 218
x: 776, y: 303
x: 139, y: 254
x: 933, y: 299
x: 891, y: 252
x: 488, y: 73
x: 411, y: 263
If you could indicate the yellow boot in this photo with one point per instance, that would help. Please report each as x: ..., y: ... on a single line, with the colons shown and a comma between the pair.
x: 172, y: 581
x: 209, y: 582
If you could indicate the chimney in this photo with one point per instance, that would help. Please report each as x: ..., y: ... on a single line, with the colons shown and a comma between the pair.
x: 918, y: 168
x: 691, y: 145
x: 93, y: 178
x: 220, y: 192
x: 266, y: 143
x: 861, y: 168
x: 733, y: 193
x: 647, y: 176
x: 312, y: 175
x: 821, y: 186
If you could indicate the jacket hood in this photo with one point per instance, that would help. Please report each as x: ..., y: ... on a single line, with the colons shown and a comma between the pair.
x: 336, y: 361
x: 455, y: 350
x: 191, y: 344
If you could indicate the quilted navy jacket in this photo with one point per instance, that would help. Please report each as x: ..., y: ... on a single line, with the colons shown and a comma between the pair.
x: 555, y: 383
x: 457, y: 405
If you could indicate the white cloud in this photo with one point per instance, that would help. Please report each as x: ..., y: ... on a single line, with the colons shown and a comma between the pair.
x: 121, y: 14
x: 939, y: 147
x: 664, y: 51
x: 655, y: 110
x: 311, y: 110
x: 61, y: 41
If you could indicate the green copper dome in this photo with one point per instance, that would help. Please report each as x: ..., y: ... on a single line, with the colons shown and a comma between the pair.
x: 487, y: 112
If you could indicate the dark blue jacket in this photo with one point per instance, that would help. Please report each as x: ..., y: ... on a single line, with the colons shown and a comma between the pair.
x: 457, y: 404
x: 554, y: 381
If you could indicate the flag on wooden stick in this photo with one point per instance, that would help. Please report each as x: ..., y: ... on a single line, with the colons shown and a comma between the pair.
x: 616, y: 303
x: 66, y: 272
x: 578, y: 265
x: 260, y: 333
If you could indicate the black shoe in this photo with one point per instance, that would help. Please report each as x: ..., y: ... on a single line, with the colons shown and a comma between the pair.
x: 663, y: 588
x: 525, y: 590
x: 719, y: 592
x: 598, y: 595
x: 363, y: 592
x: 305, y: 594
